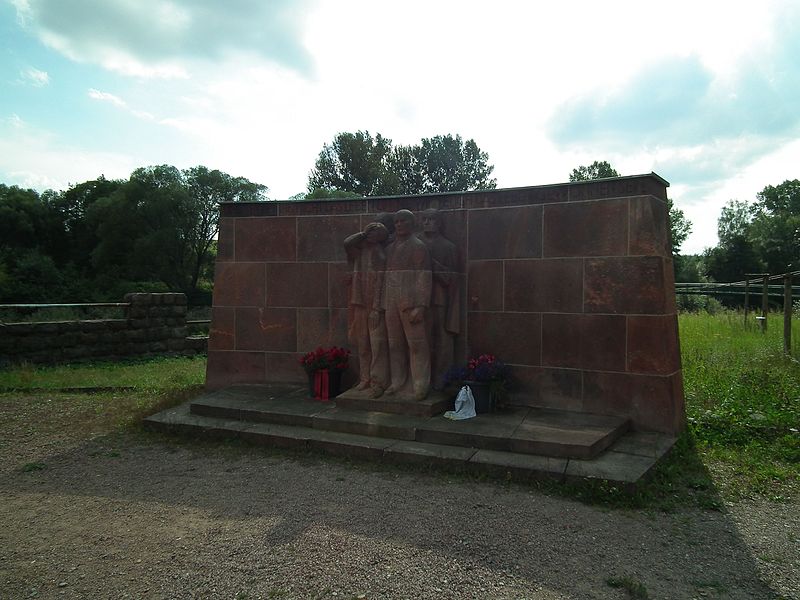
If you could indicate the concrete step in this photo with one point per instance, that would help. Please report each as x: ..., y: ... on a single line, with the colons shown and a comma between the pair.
x: 521, y: 430
x: 629, y: 459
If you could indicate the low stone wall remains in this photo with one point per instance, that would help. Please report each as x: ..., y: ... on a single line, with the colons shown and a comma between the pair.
x: 154, y: 324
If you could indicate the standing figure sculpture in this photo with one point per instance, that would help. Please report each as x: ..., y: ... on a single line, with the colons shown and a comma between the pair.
x: 443, y: 320
x: 406, y: 297
x: 366, y: 326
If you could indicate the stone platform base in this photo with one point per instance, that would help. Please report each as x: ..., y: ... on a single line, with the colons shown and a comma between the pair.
x: 435, y: 404
x: 526, y: 442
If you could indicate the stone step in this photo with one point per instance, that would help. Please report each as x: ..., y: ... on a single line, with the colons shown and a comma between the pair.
x: 520, y: 430
x: 626, y: 462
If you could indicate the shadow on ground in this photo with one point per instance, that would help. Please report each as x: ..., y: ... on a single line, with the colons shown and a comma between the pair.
x: 161, y: 517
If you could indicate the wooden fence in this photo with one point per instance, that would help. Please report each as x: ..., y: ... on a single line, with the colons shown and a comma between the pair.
x: 761, y: 287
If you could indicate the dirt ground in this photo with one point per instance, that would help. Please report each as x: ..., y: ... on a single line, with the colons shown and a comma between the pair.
x: 145, y: 516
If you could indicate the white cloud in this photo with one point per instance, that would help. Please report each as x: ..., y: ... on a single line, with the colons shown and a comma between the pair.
x: 35, y: 77
x: 39, y: 159
x: 119, y: 103
x: 161, y: 38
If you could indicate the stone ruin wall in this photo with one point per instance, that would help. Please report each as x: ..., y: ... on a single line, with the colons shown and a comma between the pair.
x: 153, y: 324
x: 571, y: 284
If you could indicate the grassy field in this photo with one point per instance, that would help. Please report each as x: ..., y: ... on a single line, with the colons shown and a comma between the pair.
x: 100, y: 397
x: 742, y: 404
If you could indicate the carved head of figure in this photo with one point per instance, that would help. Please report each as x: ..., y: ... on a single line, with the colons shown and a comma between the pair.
x: 431, y: 221
x: 403, y: 223
x: 376, y: 233
x: 387, y: 219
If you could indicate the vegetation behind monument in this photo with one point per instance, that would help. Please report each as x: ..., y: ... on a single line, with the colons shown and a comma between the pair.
x: 100, y: 239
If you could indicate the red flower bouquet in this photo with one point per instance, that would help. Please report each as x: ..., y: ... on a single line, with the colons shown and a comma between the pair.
x: 333, y: 358
x: 325, y: 367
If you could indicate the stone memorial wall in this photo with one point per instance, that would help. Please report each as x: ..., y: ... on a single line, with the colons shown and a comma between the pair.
x: 570, y: 284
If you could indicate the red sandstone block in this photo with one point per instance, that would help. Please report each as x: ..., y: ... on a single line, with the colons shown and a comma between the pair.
x: 485, y: 285
x: 649, y: 221
x: 273, y: 329
x: 650, y: 401
x: 313, y: 328
x: 226, y: 368
x: 629, y: 285
x: 415, y: 204
x: 284, y: 366
x: 548, y: 388
x: 337, y: 334
x: 671, y: 303
x: 297, y: 284
x: 249, y: 209
x: 225, y: 239
x: 322, y: 238
x: 653, y: 344
x: 595, y: 342
x: 221, y: 332
x: 321, y: 207
x: 505, y: 233
x: 551, y: 285
x: 598, y: 228
x: 266, y: 239
x: 517, y: 196
x: 239, y: 284
x: 512, y: 337
x: 617, y: 188
x: 340, y: 278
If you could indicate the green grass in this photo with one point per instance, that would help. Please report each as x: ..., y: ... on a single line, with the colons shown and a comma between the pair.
x: 142, y: 375
x: 743, y: 403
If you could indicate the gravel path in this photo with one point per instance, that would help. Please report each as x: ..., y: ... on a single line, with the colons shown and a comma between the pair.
x: 132, y: 516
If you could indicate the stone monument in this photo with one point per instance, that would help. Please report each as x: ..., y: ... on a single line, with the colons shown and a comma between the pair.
x: 445, y: 307
x: 569, y: 284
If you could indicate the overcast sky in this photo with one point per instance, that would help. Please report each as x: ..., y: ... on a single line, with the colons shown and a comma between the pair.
x: 704, y: 93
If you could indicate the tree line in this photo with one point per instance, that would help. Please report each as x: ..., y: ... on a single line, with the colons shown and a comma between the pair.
x: 102, y: 238
x: 156, y: 230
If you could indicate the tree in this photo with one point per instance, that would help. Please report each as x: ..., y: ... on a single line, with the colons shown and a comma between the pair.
x: 357, y: 163
x: 679, y: 227
x: 161, y: 223
x: 775, y: 228
x: 597, y: 170
x: 207, y: 189
x: 447, y: 164
x: 735, y: 255
x: 30, y: 229
x: 353, y: 162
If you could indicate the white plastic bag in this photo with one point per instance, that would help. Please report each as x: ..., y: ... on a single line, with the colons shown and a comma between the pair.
x: 465, y: 406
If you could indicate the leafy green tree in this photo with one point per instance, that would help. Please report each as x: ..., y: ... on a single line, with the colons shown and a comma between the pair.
x: 72, y: 206
x: 448, y: 164
x: 30, y: 229
x: 405, y: 171
x: 597, y: 170
x: 207, y: 189
x: 144, y: 228
x: 775, y: 228
x: 367, y: 166
x: 735, y: 255
x: 353, y: 162
x: 679, y: 227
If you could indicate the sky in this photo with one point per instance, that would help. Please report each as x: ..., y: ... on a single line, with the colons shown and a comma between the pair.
x: 704, y: 93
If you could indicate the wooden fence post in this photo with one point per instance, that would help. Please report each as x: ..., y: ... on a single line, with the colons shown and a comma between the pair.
x: 746, y: 299
x: 787, y: 313
x: 765, y: 304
